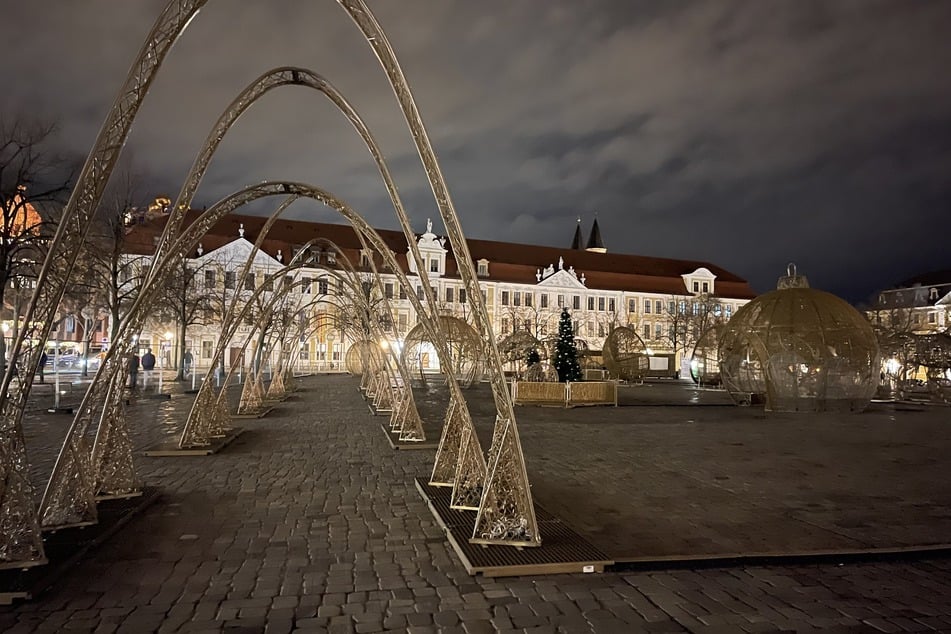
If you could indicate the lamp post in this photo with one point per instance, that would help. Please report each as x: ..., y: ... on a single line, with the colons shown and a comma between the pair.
x: 167, y: 348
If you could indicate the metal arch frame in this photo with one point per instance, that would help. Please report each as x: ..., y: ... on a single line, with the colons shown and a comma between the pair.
x: 202, y: 422
x: 21, y: 544
x: 506, y: 512
x: 167, y: 29
x: 466, y: 471
x: 458, y: 422
x: 69, y: 498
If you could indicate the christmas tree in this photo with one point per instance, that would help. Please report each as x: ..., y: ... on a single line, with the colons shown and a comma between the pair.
x: 566, y: 357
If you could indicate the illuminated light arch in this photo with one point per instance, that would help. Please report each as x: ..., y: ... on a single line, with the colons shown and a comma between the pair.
x: 507, y: 483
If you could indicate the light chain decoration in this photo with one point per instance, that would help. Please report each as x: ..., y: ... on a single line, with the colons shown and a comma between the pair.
x: 507, y: 492
x: 20, y: 541
x: 202, y: 420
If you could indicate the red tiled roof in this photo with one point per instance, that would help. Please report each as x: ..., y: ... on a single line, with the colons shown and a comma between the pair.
x: 508, y: 262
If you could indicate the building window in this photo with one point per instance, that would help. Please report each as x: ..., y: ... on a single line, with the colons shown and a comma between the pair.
x: 647, y: 331
x: 647, y: 306
x: 483, y: 269
x: 331, y: 257
x: 449, y: 294
x: 505, y: 325
x: 544, y: 300
x: 249, y: 281
x: 70, y: 324
x: 209, y: 279
x: 601, y: 304
x: 611, y: 304
x: 207, y: 348
x: 728, y: 310
x: 528, y: 299
x: 505, y: 298
x: 931, y: 318
x: 657, y: 306
x: 388, y: 290
x: 632, y: 305
x: 420, y: 295
x: 590, y: 303
x: 323, y: 287
x: 561, y: 301
x: 658, y: 330
x: 288, y: 280
x: 517, y: 298
x: 434, y: 265
x: 670, y: 307
x: 600, y: 329
x: 462, y: 296
x: 696, y: 286
x: 229, y: 280
x: 717, y: 310
x: 706, y: 287
x: 401, y: 320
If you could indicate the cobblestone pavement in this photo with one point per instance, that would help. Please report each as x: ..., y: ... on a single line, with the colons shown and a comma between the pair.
x: 309, y: 522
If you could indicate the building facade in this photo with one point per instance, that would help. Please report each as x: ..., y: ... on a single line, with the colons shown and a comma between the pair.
x: 525, y: 286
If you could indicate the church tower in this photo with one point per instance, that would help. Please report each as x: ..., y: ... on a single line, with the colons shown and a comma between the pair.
x: 594, y: 238
x: 578, y: 240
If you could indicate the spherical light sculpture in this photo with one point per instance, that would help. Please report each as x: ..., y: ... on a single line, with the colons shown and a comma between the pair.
x: 359, y: 356
x: 800, y: 349
x: 462, y: 341
x: 625, y: 355
x: 514, y: 349
x: 705, y: 359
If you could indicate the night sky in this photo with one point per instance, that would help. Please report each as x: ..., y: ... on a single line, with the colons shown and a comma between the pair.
x: 747, y: 134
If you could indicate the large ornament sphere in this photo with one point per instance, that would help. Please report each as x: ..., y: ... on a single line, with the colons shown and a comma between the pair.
x: 462, y: 342
x: 625, y: 355
x: 360, y: 355
x: 800, y: 349
x: 705, y: 359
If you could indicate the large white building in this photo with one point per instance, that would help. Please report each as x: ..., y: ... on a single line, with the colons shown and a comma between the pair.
x: 525, y: 286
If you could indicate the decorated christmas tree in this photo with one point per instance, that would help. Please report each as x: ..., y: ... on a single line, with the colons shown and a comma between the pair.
x: 566, y: 357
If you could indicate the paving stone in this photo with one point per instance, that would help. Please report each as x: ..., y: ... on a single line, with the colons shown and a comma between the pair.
x: 310, y: 513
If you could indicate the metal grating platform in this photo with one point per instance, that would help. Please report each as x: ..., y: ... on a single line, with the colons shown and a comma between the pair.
x: 64, y: 548
x: 396, y: 443
x: 170, y: 447
x: 562, y: 550
x: 261, y: 414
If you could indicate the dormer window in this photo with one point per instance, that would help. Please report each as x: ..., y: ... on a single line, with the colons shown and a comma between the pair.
x: 483, y: 268
x: 434, y: 265
x: 364, y: 259
x: 700, y: 281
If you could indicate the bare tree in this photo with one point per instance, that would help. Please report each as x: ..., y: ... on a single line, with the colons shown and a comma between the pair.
x: 688, y: 318
x: 29, y: 182
x: 188, y: 300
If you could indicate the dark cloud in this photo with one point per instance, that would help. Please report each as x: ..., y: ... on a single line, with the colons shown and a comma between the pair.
x: 746, y: 133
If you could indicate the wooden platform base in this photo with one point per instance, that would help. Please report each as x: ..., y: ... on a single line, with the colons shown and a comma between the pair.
x: 65, y: 548
x: 264, y: 412
x: 562, y: 551
x: 170, y: 448
x: 396, y: 443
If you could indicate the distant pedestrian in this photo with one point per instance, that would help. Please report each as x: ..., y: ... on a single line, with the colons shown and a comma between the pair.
x: 148, y: 360
x: 42, y: 366
x: 187, y: 361
x: 133, y: 370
